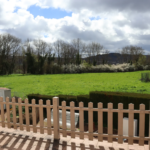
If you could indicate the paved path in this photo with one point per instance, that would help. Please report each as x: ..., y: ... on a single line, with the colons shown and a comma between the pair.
x: 11, y: 139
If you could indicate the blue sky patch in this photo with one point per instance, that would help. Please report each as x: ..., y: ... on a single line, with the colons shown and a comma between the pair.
x: 45, y: 35
x: 16, y: 9
x: 95, y: 18
x: 48, y: 13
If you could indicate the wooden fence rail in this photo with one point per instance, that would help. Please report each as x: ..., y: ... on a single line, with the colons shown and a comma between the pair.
x: 6, y: 119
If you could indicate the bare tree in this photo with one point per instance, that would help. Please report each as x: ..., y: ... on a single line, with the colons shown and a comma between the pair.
x: 126, y: 54
x: 119, y: 57
x: 88, y: 51
x: 30, y: 56
x: 131, y: 53
x: 105, y: 56
x: 50, y: 58
x: 93, y: 49
x: 68, y: 53
x: 136, y: 53
x: 65, y: 52
x: 41, y: 48
x: 9, y: 47
x: 24, y: 63
x: 78, y: 46
x: 98, y: 51
x: 73, y: 53
x: 57, y: 47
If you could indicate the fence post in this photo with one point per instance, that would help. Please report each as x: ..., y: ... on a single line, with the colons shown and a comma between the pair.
x: 56, y: 117
x: 130, y: 124
x: 2, y: 111
x: 90, y: 121
x: 110, y: 122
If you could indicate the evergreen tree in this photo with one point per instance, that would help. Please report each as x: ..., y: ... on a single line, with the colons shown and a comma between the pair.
x: 94, y: 63
x: 78, y: 59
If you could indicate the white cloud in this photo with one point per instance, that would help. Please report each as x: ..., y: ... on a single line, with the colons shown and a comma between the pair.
x: 118, y: 23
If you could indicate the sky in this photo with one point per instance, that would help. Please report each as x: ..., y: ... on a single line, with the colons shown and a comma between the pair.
x: 112, y: 23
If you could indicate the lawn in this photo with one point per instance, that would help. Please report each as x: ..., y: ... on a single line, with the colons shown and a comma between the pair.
x: 74, y: 84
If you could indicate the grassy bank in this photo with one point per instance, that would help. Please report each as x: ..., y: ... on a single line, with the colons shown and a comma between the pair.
x: 74, y: 84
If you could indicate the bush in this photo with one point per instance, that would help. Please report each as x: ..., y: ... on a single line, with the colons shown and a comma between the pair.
x: 55, y: 69
x: 87, y: 68
x: 131, y: 68
x: 126, y: 69
x: 86, y: 64
x: 120, y: 69
x: 18, y: 71
x: 147, y: 67
x: 139, y: 67
x: 145, y: 77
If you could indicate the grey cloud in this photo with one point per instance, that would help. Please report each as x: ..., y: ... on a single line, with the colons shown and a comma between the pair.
x: 86, y: 23
x: 19, y: 34
x: 72, y: 32
x: 114, y: 45
x: 141, y: 37
x: 121, y: 23
x: 29, y: 29
x: 136, y: 20
x: 109, y: 5
x: 145, y: 37
x: 119, y: 32
x: 140, y: 21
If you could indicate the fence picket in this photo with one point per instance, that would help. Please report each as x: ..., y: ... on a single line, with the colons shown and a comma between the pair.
x: 34, y: 116
x: 81, y: 120
x: 2, y: 111
x: 20, y: 114
x: 48, y: 103
x: 110, y: 122
x: 56, y: 117
x: 120, y: 123
x: 131, y: 119
x: 100, y: 122
x: 90, y: 120
x: 14, y: 113
x: 142, y: 125
x: 41, y: 116
x: 8, y: 112
x: 27, y: 114
x: 72, y: 115
x: 64, y: 118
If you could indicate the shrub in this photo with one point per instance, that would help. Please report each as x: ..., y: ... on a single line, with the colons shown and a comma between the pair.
x: 120, y: 69
x: 56, y: 69
x: 147, y: 67
x: 131, y: 68
x: 139, y: 67
x: 86, y: 67
x: 86, y: 64
x: 126, y: 69
x: 145, y: 77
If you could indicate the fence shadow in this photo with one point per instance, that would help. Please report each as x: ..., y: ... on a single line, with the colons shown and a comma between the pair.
x: 16, y: 141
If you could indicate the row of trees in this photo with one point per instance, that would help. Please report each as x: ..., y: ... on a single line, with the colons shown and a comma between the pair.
x: 134, y: 54
x: 37, y: 56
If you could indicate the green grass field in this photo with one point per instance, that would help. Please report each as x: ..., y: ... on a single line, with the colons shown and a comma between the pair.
x: 74, y: 84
